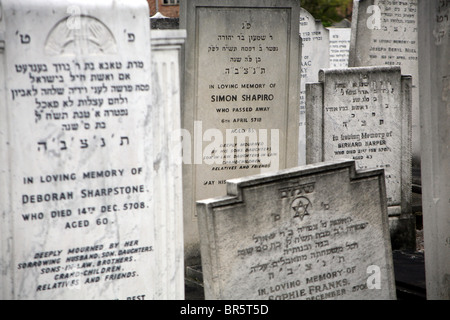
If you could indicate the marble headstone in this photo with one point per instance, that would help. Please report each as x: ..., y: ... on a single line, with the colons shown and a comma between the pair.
x: 315, y: 56
x: 312, y: 232
x: 385, y: 33
x: 434, y: 45
x: 365, y: 114
x: 241, y: 96
x: 167, y: 48
x: 77, y: 155
x: 339, y: 47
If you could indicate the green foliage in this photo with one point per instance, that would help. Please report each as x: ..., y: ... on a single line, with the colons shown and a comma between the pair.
x: 329, y: 11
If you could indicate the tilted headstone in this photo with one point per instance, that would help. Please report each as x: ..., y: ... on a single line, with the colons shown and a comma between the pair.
x: 313, y: 232
x: 365, y: 114
x: 339, y: 47
x: 241, y: 96
x: 385, y: 33
x: 78, y: 158
x: 315, y: 56
x: 434, y: 45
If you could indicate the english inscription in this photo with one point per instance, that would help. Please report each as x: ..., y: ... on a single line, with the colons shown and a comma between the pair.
x: 243, y: 95
x: 77, y: 104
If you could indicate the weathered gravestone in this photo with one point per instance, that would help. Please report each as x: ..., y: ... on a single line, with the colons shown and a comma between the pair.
x: 339, y: 47
x: 434, y: 45
x: 241, y: 96
x: 78, y: 218
x: 365, y: 114
x: 167, y: 160
x: 313, y: 232
x: 384, y: 32
x: 315, y: 56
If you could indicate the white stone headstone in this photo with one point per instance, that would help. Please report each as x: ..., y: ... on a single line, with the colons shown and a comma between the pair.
x: 385, y: 33
x: 365, y: 114
x: 310, y: 233
x: 315, y: 56
x: 241, y: 96
x: 434, y: 45
x: 167, y: 158
x: 339, y: 47
x: 78, y: 157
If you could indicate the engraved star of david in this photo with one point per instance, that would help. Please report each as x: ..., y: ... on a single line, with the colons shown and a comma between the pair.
x: 300, y: 206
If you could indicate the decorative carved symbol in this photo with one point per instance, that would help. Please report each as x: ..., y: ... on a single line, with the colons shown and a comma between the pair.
x: 87, y: 36
x: 300, y: 206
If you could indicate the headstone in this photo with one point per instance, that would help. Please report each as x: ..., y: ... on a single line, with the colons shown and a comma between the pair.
x: 315, y: 56
x: 313, y: 232
x: 339, y: 47
x: 385, y: 33
x: 241, y: 96
x: 167, y: 48
x: 434, y: 31
x: 365, y: 114
x: 78, y: 218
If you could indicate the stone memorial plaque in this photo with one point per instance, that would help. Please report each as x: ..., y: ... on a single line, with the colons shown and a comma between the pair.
x: 315, y: 56
x: 434, y: 45
x: 241, y: 96
x: 77, y: 218
x: 365, y: 116
x: 384, y: 32
x: 313, y: 232
x: 339, y: 47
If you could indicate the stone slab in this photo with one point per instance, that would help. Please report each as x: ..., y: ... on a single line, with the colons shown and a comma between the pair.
x: 315, y: 56
x: 365, y: 114
x: 434, y: 44
x: 167, y: 46
x: 385, y: 33
x: 240, y: 114
x: 77, y: 153
x: 313, y: 232
x: 339, y: 47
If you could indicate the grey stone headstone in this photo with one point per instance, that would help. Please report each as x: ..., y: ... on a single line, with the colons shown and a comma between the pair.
x: 365, y: 114
x: 315, y: 56
x: 77, y: 155
x: 313, y: 232
x: 434, y: 45
x: 241, y: 96
x: 384, y: 33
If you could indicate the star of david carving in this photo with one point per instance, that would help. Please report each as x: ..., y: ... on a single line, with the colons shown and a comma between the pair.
x: 300, y: 206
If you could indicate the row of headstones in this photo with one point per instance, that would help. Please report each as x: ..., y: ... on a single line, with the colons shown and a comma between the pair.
x: 257, y: 241
x: 97, y: 212
x: 301, y: 233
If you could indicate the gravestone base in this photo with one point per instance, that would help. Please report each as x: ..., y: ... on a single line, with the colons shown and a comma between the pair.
x: 194, y: 289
